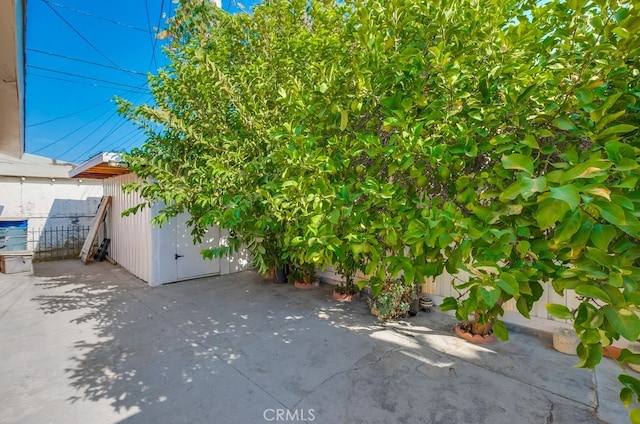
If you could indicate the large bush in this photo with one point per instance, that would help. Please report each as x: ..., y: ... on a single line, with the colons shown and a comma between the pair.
x: 494, y: 138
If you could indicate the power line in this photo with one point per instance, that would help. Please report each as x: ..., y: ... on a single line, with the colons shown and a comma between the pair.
x: 31, y: 74
x: 80, y: 76
x: 80, y: 34
x: 155, y: 39
x: 109, y: 132
x: 153, y: 58
x: 62, y: 6
x: 74, y: 131
x: 87, y: 61
x: 70, y: 114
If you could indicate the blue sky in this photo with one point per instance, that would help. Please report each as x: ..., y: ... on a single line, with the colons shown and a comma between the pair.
x: 79, y: 55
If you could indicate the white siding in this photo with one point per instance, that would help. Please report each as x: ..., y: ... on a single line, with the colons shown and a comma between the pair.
x: 130, y: 235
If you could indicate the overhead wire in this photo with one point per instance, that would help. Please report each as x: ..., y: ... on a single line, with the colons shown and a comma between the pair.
x: 87, y: 62
x: 69, y: 114
x: 153, y: 58
x: 93, y: 15
x: 42, y: 68
x: 53, y: 143
x: 31, y: 74
x: 129, y: 138
x: 154, y: 44
x: 85, y: 39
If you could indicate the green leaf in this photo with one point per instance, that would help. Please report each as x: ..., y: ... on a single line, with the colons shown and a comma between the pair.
x: 593, y: 292
x: 584, y: 96
x: 611, y: 212
x: 448, y: 304
x: 629, y: 357
x: 568, y: 194
x: 508, y: 283
x: 490, y: 295
x: 601, y: 236
x: 634, y: 414
x: 624, y: 321
x: 568, y: 227
x: 344, y: 119
x: 519, y: 162
x: 564, y: 124
x: 626, y: 396
x: 559, y: 311
x: 585, y: 170
x: 523, y: 306
x: 617, y: 129
x: 500, y: 330
x: 549, y: 212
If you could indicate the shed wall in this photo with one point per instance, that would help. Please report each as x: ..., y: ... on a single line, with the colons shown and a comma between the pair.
x: 130, y: 235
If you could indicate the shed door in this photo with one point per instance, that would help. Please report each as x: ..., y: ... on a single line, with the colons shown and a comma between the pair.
x: 189, y: 261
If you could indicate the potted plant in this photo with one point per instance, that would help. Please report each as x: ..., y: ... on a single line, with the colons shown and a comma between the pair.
x: 347, y: 290
x: 394, y: 300
x: 303, y: 276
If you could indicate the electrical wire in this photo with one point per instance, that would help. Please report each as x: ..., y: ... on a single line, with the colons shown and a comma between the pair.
x: 68, y: 115
x: 79, y: 76
x: 153, y: 58
x: 87, y: 61
x: 155, y: 39
x: 85, y: 39
x: 31, y: 74
x: 93, y: 15
x: 53, y: 143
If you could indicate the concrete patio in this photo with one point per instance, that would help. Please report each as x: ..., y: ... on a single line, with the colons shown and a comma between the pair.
x: 94, y: 344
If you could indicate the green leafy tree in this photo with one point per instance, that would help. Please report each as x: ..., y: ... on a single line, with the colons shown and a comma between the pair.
x: 498, y: 141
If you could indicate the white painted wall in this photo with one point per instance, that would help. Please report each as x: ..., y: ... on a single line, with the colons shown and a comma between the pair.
x: 130, y: 235
x: 46, y: 203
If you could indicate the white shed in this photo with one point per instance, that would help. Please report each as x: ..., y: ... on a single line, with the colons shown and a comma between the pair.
x: 157, y: 255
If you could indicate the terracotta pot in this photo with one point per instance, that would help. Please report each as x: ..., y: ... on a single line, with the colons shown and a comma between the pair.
x: 612, y: 352
x: 474, y: 338
x: 344, y: 297
x: 311, y: 285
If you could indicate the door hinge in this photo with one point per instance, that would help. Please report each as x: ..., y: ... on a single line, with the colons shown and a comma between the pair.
x: 179, y: 256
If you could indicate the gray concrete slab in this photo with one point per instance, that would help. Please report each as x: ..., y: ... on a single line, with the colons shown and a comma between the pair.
x: 94, y: 344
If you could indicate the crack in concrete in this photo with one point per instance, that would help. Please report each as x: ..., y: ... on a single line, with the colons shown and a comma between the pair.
x: 495, y: 371
x: 385, y: 355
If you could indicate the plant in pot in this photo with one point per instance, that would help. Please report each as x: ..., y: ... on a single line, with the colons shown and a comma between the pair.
x: 483, y: 295
x: 393, y: 301
x: 347, y: 290
x: 303, y: 275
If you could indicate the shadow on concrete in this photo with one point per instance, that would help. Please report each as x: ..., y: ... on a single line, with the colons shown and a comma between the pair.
x: 239, y: 349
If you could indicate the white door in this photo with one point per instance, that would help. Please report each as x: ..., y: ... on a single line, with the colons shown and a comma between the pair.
x: 189, y: 260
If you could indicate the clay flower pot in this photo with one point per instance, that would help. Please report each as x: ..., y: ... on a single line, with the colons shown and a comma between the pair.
x: 303, y: 285
x: 473, y: 338
x: 344, y: 297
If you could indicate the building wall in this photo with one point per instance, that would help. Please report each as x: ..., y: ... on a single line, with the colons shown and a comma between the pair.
x: 130, y: 235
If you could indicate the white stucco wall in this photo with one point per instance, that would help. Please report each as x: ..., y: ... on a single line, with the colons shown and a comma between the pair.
x: 49, y: 203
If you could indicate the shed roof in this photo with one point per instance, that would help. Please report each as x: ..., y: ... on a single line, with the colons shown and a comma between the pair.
x: 101, y: 166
